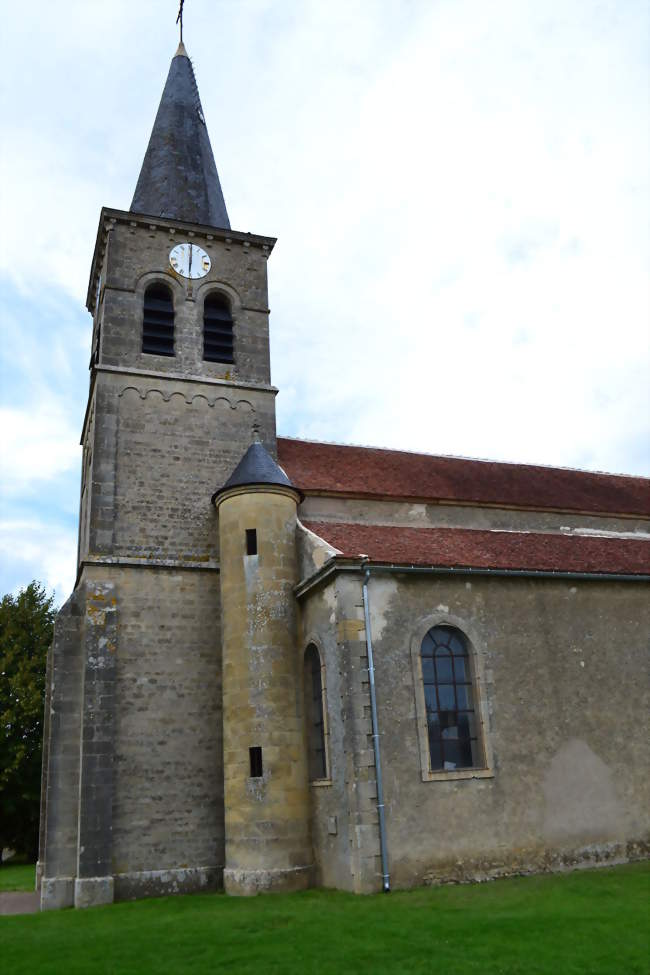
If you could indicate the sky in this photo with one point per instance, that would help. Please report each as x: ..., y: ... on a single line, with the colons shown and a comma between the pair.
x: 460, y: 195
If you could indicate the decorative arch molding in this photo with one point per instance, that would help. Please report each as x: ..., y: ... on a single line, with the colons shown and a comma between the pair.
x: 168, y: 395
x: 160, y: 277
x: 477, y: 654
x: 219, y: 287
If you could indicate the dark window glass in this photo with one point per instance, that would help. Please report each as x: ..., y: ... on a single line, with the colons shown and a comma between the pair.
x: 451, y: 720
x: 435, y: 748
x: 444, y: 671
x: 218, y: 344
x: 446, y: 697
x: 430, y: 697
x: 158, y: 321
x: 314, y: 714
x: 434, y: 725
x: 456, y: 645
x: 460, y: 670
x: 255, y: 755
x: 463, y: 726
x: 251, y: 541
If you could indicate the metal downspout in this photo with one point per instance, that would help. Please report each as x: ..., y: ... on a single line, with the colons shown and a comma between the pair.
x: 375, y: 740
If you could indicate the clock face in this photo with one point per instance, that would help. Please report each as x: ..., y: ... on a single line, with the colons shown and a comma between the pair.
x: 189, y: 260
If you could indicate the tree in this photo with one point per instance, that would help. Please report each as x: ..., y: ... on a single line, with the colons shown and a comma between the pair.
x: 26, y: 628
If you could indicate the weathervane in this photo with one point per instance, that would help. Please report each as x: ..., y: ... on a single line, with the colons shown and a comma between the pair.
x: 179, y: 19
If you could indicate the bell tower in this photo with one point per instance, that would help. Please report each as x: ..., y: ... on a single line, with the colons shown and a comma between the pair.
x: 132, y: 799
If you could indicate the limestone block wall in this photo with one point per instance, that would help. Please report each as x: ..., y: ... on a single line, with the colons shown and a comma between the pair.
x: 60, y: 783
x: 133, y: 252
x: 161, y: 448
x: 133, y: 783
x: 168, y: 430
x: 563, y: 677
x: 443, y: 514
x: 75, y: 852
x: 168, y: 794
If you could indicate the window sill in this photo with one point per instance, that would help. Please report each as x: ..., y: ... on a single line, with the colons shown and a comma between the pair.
x: 319, y: 783
x: 465, y: 773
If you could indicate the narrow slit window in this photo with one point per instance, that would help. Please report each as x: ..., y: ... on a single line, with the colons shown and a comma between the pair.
x: 158, y: 321
x: 251, y: 541
x: 255, y: 755
x: 315, y: 714
x: 218, y: 340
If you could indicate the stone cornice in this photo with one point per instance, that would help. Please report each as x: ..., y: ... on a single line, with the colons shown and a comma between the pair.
x: 174, y: 377
x: 242, y: 489
x: 109, y: 217
x: 183, y: 377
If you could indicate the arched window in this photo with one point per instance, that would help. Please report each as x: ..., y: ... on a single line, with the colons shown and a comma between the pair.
x: 452, y: 722
x: 315, y: 714
x: 217, y: 329
x: 158, y: 321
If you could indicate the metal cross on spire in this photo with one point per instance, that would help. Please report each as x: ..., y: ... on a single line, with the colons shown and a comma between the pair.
x: 179, y: 19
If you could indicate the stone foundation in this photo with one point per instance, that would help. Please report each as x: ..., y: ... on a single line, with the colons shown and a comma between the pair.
x: 246, y: 883
x: 159, y: 883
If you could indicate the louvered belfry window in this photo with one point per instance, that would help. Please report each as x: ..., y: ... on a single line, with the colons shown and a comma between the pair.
x: 218, y: 344
x: 158, y: 321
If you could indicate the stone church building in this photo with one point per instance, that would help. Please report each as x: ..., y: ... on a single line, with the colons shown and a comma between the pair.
x: 288, y: 663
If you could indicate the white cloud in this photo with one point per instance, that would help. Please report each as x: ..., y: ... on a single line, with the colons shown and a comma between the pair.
x: 35, y: 549
x: 37, y: 445
x: 460, y: 192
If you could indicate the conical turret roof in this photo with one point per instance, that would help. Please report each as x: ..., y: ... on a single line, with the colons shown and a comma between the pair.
x: 179, y: 178
x: 256, y: 467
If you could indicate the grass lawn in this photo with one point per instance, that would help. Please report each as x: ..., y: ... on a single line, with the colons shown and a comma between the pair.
x: 592, y: 922
x: 17, y: 876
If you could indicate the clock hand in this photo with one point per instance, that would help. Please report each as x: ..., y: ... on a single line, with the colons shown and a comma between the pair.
x: 190, y: 260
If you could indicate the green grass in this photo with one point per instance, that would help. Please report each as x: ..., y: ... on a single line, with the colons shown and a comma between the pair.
x: 17, y: 876
x: 591, y: 922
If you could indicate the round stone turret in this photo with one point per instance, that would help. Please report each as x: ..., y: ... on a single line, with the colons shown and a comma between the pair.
x: 268, y: 844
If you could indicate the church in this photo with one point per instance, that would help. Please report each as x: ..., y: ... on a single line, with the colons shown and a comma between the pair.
x: 288, y: 663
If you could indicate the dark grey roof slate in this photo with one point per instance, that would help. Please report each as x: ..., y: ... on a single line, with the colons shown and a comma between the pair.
x: 256, y: 467
x: 179, y: 178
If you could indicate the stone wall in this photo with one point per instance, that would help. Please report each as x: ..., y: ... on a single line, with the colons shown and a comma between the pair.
x: 561, y: 671
x: 168, y: 799
x: 445, y: 514
x: 162, y: 433
x: 134, y: 785
x: 344, y: 812
x: 60, y: 782
x: 137, y: 253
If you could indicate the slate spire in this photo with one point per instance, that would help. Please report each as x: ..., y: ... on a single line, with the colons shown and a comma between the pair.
x: 179, y: 178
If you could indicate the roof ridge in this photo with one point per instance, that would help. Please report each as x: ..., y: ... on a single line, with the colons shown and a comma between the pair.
x: 478, y: 460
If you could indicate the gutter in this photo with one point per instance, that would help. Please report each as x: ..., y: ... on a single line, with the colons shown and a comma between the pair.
x: 385, y: 877
x: 338, y: 564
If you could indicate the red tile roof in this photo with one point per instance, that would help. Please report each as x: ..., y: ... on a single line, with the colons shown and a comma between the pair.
x: 330, y: 469
x: 468, y: 547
